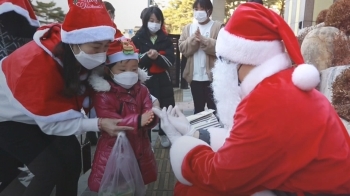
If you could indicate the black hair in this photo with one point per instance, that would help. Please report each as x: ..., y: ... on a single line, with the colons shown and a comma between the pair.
x: 71, y: 68
x: 143, y: 13
x: 257, y: 1
x: 157, y: 12
x: 109, y: 6
x: 206, y: 4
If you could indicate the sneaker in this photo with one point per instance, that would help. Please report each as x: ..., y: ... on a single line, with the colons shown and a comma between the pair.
x: 164, y: 141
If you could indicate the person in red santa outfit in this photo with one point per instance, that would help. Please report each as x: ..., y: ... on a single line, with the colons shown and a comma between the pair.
x: 18, y: 24
x: 284, y: 135
x: 43, y: 86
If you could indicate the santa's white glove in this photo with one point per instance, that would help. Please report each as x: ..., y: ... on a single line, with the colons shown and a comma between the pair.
x: 167, y: 127
x: 179, y: 120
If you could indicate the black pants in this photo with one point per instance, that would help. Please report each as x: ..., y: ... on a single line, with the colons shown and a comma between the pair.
x: 54, y: 160
x: 202, y: 94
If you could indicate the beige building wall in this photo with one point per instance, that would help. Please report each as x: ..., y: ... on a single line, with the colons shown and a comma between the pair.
x: 218, y: 10
x: 320, y: 5
x: 304, y: 11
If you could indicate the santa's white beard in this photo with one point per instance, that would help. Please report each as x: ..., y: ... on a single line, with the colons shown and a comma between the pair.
x: 226, y: 91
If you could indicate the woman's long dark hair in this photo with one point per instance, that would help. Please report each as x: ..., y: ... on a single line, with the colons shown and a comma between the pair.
x: 71, y: 68
x: 152, y: 10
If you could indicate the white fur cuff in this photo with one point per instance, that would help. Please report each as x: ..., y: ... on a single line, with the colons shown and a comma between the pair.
x: 178, y: 151
x: 217, y: 137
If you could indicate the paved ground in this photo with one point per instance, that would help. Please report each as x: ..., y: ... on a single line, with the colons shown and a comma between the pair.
x: 166, y: 179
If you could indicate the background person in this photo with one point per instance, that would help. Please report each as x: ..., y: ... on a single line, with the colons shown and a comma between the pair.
x: 157, y: 55
x: 197, y: 43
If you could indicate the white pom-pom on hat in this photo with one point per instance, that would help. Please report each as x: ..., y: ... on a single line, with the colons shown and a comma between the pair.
x: 306, y: 77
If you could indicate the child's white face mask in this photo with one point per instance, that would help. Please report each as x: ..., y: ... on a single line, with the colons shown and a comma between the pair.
x: 126, y: 79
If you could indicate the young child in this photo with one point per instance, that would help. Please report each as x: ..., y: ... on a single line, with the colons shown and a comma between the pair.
x: 121, y: 95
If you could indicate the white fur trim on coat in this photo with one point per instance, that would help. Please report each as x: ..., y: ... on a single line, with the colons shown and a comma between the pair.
x: 178, y: 151
x: 245, y: 51
x: 37, y: 35
x: 217, y: 137
x: 86, y: 35
x: 120, y: 56
x: 272, y: 66
x: 99, y: 84
x: 7, y: 7
x: 264, y: 193
x: 306, y: 77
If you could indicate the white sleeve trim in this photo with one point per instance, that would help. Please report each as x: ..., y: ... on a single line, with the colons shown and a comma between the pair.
x: 153, y: 98
x: 69, y: 127
x: 178, y: 151
x: 217, y: 137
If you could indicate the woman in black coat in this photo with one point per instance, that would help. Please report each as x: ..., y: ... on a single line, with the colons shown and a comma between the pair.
x: 156, y: 56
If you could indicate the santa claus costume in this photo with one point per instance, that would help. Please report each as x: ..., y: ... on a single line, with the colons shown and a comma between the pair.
x: 285, y: 135
x: 38, y: 123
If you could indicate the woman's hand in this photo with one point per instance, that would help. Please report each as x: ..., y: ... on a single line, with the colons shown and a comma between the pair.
x: 152, y: 54
x: 111, y: 126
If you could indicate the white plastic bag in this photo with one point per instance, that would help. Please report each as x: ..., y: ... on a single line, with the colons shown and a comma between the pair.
x: 122, y: 176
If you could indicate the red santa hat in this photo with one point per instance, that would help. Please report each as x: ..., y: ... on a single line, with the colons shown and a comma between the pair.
x: 21, y: 7
x: 87, y: 21
x: 255, y: 34
x: 121, y: 49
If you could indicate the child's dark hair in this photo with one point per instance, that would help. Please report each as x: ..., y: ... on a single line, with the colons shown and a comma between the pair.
x: 206, y: 4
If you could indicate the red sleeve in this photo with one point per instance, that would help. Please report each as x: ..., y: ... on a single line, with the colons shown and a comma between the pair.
x: 107, y: 108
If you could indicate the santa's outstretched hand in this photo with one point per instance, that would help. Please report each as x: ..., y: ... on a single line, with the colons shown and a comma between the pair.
x: 179, y: 120
x: 167, y: 127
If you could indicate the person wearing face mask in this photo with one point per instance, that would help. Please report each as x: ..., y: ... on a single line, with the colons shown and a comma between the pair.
x: 156, y: 56
x: 121, y: 94
x: 197, y: 43
x: 43, y: 87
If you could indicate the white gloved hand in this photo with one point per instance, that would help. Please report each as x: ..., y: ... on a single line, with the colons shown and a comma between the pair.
x: 179, y: 120
x: 167, y: 127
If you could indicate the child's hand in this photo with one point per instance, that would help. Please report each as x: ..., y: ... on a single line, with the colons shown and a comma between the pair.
x: 147, y: 118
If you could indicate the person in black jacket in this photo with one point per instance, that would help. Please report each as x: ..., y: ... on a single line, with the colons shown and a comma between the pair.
x: 156, y: 56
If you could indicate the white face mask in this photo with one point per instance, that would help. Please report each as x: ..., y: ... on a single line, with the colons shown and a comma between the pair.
x: 200, y: 16
x: 153, y: 27
x: 126, y: 79
x: 90, y: 61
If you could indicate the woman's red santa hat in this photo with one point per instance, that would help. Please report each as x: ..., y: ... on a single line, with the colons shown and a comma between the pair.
x: 21, y: 7
x: 255, y: 34
x: 87, y: 21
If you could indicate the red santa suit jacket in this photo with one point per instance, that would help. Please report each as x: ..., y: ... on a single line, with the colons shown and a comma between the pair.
x: 283, y: 138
